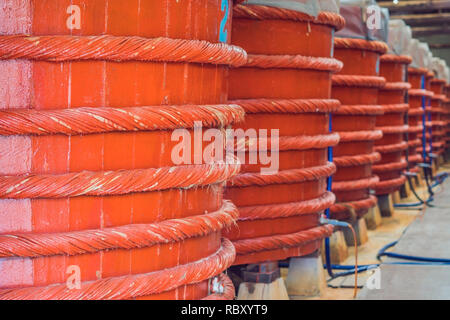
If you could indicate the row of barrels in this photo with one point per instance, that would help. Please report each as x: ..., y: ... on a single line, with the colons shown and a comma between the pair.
x: 93, y: 205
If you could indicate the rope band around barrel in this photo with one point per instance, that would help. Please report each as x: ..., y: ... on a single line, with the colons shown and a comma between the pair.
x: 283, y: 177
x: 417, y: 71
x: 357, y: 205
x: 258, y: 12
x: 286, y: 143
x: 252, y: 106
x: 90, y: 120
x: 439, y: 97
x: 420, y: 93
x: 415, y: 112
x: 392, y: 58
x: 396, y: 147
x: 357, y: 160
x: 115, y: 182
x: 122, y: 237
x: 392, y: 166
x: 294, y: 62
x: 369, y: 135
x: 364, y: 183
x: 438, y: 81
x: 360, y: 44
x: 370, y: 110
x: 281, y: 241
x: 134, y: 285
x: 358, y: 81
x: 59, y: 48
x: 395, y: 108
x: 393, y: 129
x: 396, y: 86
x: 414, y: 143
x: 415, y: 158
x: 392, y: 183
x: 284, y: 210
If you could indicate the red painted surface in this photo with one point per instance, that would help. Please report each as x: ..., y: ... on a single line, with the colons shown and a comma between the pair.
x: 390, y: 167
x: 277, y: 36
x: 48, y: 85
x: 447, y: 116
x: 360, y: 60
x: 437, y: 115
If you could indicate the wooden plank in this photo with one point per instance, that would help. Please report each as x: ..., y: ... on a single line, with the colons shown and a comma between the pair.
x: 439, y: 45
x: 425, y: 19
x: 415, y: 5
x: 426, y: 31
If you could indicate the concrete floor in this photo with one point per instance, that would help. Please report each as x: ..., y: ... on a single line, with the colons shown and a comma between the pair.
x: 425, y: 233
x: 429, y: 236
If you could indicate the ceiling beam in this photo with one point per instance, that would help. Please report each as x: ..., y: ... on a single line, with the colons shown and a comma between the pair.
x: 415, y: 5
x: 439, y: 45
x: 424, y: 19
x: 427, y: 31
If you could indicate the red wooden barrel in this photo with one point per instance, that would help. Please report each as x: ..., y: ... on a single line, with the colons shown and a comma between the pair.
x: 286, y: 86
x: 415, y: 116
x: 437, y: 115
x: 428, y: 112
x: 447, y: 116
x: 356, y: 86
x: 88, y: 181
x: 392, y: 146
x: 417, y: 77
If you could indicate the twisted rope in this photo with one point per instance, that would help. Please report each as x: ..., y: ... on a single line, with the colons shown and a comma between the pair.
x: 370, y: 135
x: 283, y: 177
x: 437, y: 110
x: 294, y: 62
x: 392, y: 86
x: 114, y: 182
x: 414, y: 143
x: 258, y: 12
x: 358, y: 81
x: 99, y: 120
x: 401, y: 146
x: 439, y: 97
x: 123, y: 237
x: 392, y: 183
x: 395, y: 108
x: 282, y: 241
x: 418, y: 71
x: 61, y: 48
x: 438, y: 81
x: 135, y: 285
x: 289, y: 143
x: 364, y: 183
x: 420, y: 92
x: 393, y: 166
x: 435, y: 123
x: 284, y: 210
x: 358, y: 205
x: 357, y: 160
x: 360, y: 44
x: 360, y: 110
x: 394, y: 129
x: 415, y: 112
x: 415, y: 158
x: 392, y: 58
x: 251, y: 106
